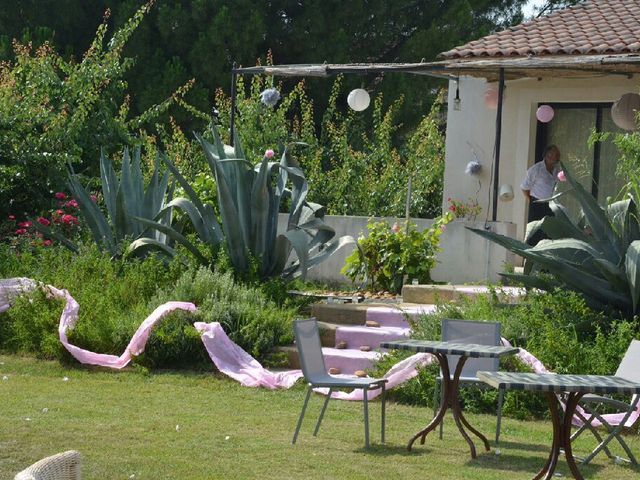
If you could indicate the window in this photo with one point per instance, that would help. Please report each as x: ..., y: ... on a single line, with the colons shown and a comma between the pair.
x: 594, y: 167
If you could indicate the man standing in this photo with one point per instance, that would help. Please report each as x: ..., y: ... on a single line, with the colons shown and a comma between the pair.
x: 538, y: 184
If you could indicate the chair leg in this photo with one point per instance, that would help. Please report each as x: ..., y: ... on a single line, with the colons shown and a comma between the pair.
x: 366, y: 417
x: 613, y: 432
x: 383, y: 412
x: 304, y: 407
x: 324, y: 407
x: 499, y: 414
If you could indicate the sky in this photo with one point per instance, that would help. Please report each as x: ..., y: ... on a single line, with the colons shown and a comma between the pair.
x: 528, y: 8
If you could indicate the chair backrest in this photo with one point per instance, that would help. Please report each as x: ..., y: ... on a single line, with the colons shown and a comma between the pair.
x: 630, y: 365
x: 467, y: 331
x: 62, y: 466
x: 309, y: 349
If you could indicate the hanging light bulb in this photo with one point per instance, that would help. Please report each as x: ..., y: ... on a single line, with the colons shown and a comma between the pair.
x: 358, y: 99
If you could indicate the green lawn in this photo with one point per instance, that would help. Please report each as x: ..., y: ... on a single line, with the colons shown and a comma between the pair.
x: 200, y: 426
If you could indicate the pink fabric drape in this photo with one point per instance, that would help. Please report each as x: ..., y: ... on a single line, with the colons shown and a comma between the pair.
x: 228, y: 357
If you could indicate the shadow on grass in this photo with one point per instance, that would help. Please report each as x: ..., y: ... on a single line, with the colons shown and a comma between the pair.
x: 381, y: 450
x: 513, y: 462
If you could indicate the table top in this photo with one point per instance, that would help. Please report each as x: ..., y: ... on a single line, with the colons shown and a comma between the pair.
x: 550, y: 382
x: 451, y: 348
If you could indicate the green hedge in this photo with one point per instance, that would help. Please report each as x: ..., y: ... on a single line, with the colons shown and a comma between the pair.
x: 115, y: 296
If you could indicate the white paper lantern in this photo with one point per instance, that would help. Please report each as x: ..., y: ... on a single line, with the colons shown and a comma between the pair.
x: 624, y: 111
x: 358, y: 99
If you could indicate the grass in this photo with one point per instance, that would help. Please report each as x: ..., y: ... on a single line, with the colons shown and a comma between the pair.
x: 177, y: 425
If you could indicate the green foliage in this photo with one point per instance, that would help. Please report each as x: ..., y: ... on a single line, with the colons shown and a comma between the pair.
x: 55, y: 111
x: 388, y: 254
x: 597, y: 255
x: 557, y: 327
x: 128, y: 203
x: 350, y: 170
x: 249, y: 200
x: 248, y: 317
x: 115, y: 296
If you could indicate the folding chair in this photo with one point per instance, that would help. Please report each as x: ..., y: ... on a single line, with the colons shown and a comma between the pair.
x: 481, y: 333
x: 629, y: 369
x: 315, y: 372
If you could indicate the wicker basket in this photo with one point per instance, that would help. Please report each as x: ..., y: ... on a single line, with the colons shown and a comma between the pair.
x: 63, y: 466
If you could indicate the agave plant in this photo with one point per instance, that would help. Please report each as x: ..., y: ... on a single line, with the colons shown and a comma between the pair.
x: 598, y: 255
x: 249, y: 200
x: 127, y: 200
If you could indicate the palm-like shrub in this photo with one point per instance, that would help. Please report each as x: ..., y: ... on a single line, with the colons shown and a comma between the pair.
x: 249, y: 201
x: 598, y: 255
x: 128, y: 202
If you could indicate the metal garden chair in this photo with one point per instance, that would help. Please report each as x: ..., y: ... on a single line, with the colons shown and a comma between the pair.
x: 315, y: 373
x: 62, y: 466
x: 629, y: 369
x: 481, y: 333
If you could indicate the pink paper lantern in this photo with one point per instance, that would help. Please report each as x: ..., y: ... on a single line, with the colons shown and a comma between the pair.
x: 545, y: 113
x: 491, y: 98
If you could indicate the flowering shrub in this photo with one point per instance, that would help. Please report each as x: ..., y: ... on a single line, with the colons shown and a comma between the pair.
x: 62, y: 220
x: 469, y: 210
x: 388, y: 254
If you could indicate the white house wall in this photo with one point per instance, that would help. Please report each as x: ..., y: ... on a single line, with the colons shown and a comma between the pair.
x: 474, y: 124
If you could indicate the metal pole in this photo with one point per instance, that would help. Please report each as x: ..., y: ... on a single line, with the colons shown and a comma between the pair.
x: 407, y: 206
x: 496, y: 162
x: 233, y: 104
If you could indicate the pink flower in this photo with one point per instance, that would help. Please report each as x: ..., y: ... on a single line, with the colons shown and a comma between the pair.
x: 44, y: 221
x: 71, y: 203
x: 60, y: 196
x: 59, y: 212
x: 443, y: 228
x: 69, y: 219
x: 269, y: 153
x: 94, y: 198
x: 47, y: 243
x: 561, y: 176
x: 21, y: 231
x: 24, y: 224
x: 395, y: 228
x: 11, y: 218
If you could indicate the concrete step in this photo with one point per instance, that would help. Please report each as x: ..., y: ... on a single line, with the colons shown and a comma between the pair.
x: 356, y: 313
x: 356, y: 336
x: 347, y: 361
x: 432, y: 294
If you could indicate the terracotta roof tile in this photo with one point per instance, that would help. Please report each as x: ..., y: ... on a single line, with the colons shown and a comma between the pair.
x: 590, y: 27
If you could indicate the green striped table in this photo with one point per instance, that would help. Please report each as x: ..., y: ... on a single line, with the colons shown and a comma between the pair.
x: 550, y: 384
x: 441, y: 350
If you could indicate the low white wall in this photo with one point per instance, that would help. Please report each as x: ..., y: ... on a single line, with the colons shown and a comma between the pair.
x: 465, y: 257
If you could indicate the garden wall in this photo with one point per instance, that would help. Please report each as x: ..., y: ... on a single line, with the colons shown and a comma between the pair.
x: 465, y: 257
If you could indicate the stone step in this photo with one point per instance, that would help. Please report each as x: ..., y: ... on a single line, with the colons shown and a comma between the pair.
x: 356, y: 336
x: 433, y: 294
x: 347, y: 361
x: 356, y: 313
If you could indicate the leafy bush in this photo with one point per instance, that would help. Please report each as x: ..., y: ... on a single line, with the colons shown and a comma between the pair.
x: 597, y: 255
x: 55, y: 111
x: 352, y: 168
x: 558, y: 328
x: 116, y: 296
x: 388, y: 254
x: 248, y: 317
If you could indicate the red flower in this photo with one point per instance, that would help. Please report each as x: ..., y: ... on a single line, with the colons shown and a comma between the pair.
x: 11, y: 218
x: 69, y: 219
x: 47, y: 243
x: 21, y: 231
x: 24, y: 224
x: 71, y: 203
x: 60, y: 196
x: 60, y: 212
x: 44, y: 221
x: 94, y: 198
